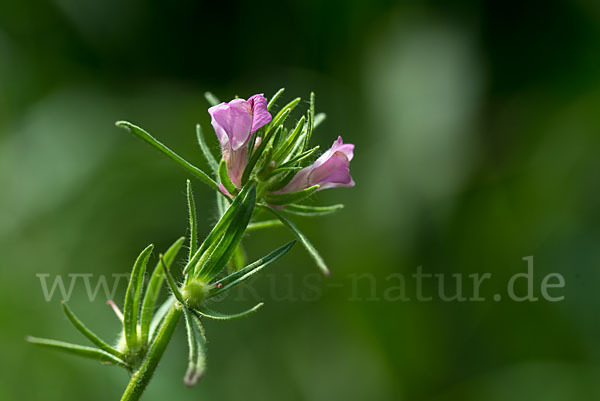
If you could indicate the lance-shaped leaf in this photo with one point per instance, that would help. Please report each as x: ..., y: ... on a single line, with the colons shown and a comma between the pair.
x: 211, y: 99
x: 259, y: 225
x: 280, y: 170
x: 319, y: 118
x: 211, y: 314
x: 218, y: 255
x: 171, y: 281
x: 279, y: 182
x: 311, y: 119
x: 312, y: 211
x: 255, y: 156
x: 217, y: 230
x: 244, y: 274
x: 146, y: 137
x: 282, y: 114
x: 286, y: 147
x: 193, y: 220
x: 238, y: 260
x: 312, y: 251
x: 87, y: 333
x: 197, y: 350
x: 80, y: 350
x: 210, y: 159
x: 225, y: 180
x: 222, y: 204
x: 159, y: 317
x: 133, y: 295
x: 302, y: 156
x: 274, y: 98
x: 290, y: 197
x: 154, y: 286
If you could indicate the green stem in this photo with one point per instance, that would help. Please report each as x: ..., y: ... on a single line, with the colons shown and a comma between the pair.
x: 141, y: 377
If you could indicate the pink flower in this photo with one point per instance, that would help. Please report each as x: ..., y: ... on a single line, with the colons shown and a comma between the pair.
x: 234, y: 123
x: 331, y: 170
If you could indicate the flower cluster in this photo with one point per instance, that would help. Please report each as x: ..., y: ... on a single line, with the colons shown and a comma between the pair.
x: 236, y: 122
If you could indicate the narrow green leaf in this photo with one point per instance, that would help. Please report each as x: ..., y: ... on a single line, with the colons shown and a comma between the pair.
x: 80, y: 350
x: 87, y: 333
x: 312, y: 251
x: 274, y: 98
x: 197, y: 350
x: 211, y: 314
x: 218, y: 229
x: 159, y: 316
x: 283, y: 170
x: 171, y: 281
x: 259, y: 225
x: 211, y: 99
x: 224, y: 178
x: 193, y: 220
x: 217, y: 258
x: 257, y: 154
x: 291, y: 197
x: 278, y: 120
x: 222, y: 204
x: 242, y: 275
x: 145, y: 136
x: 319, y: 118
x: 238, y: 259
x: 210, y: 159
x: 287, y: 146
x: 154, y: 286
x: 283, y: 113
x: 311, y: 119
x: 133, y: 295
x: 300, y: 157
x: 312, y: 211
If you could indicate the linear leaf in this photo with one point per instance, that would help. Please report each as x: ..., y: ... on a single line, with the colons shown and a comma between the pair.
x: 159, y: 316
x: 211, y: 99
x: 193, y: 220
x: 312, y: 211
x: 80, y: 350
x: 312, y: 251
x: 154, y: 286
x: 242, y: 275
x: 274, y: 98
x: 87, y: 333
x: 211, y: 314
x: 257, y: 154
x: 300, y: 157
x: 212, y: 262
x: 311, y: 119
x: 218, y: 229
x: 319, y: 118
x: 171, y: 281
x: 259, y: 225
x: 132, y: 297
x: 145, y: 136
x: 290, y: 197
x: 210, y: 159
x: 287, y: 146
x: 282, y: 114
x: 224, y: 178
x: 197, y: 350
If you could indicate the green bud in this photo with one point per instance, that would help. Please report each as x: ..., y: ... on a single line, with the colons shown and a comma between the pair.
x: 195, y: 292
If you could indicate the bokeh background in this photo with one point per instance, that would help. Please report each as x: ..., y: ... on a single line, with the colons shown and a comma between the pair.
x: 476, y: 127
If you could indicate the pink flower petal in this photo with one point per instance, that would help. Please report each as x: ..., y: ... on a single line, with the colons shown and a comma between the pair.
x: 260, y: 114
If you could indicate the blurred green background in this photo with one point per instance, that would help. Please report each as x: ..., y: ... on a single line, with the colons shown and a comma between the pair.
x: 476, y: 127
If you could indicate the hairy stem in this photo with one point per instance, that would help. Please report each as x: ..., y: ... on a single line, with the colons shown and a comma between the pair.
x: 141, y: 377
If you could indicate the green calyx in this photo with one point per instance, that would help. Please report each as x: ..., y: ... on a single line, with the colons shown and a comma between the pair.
x: 195, y: 292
